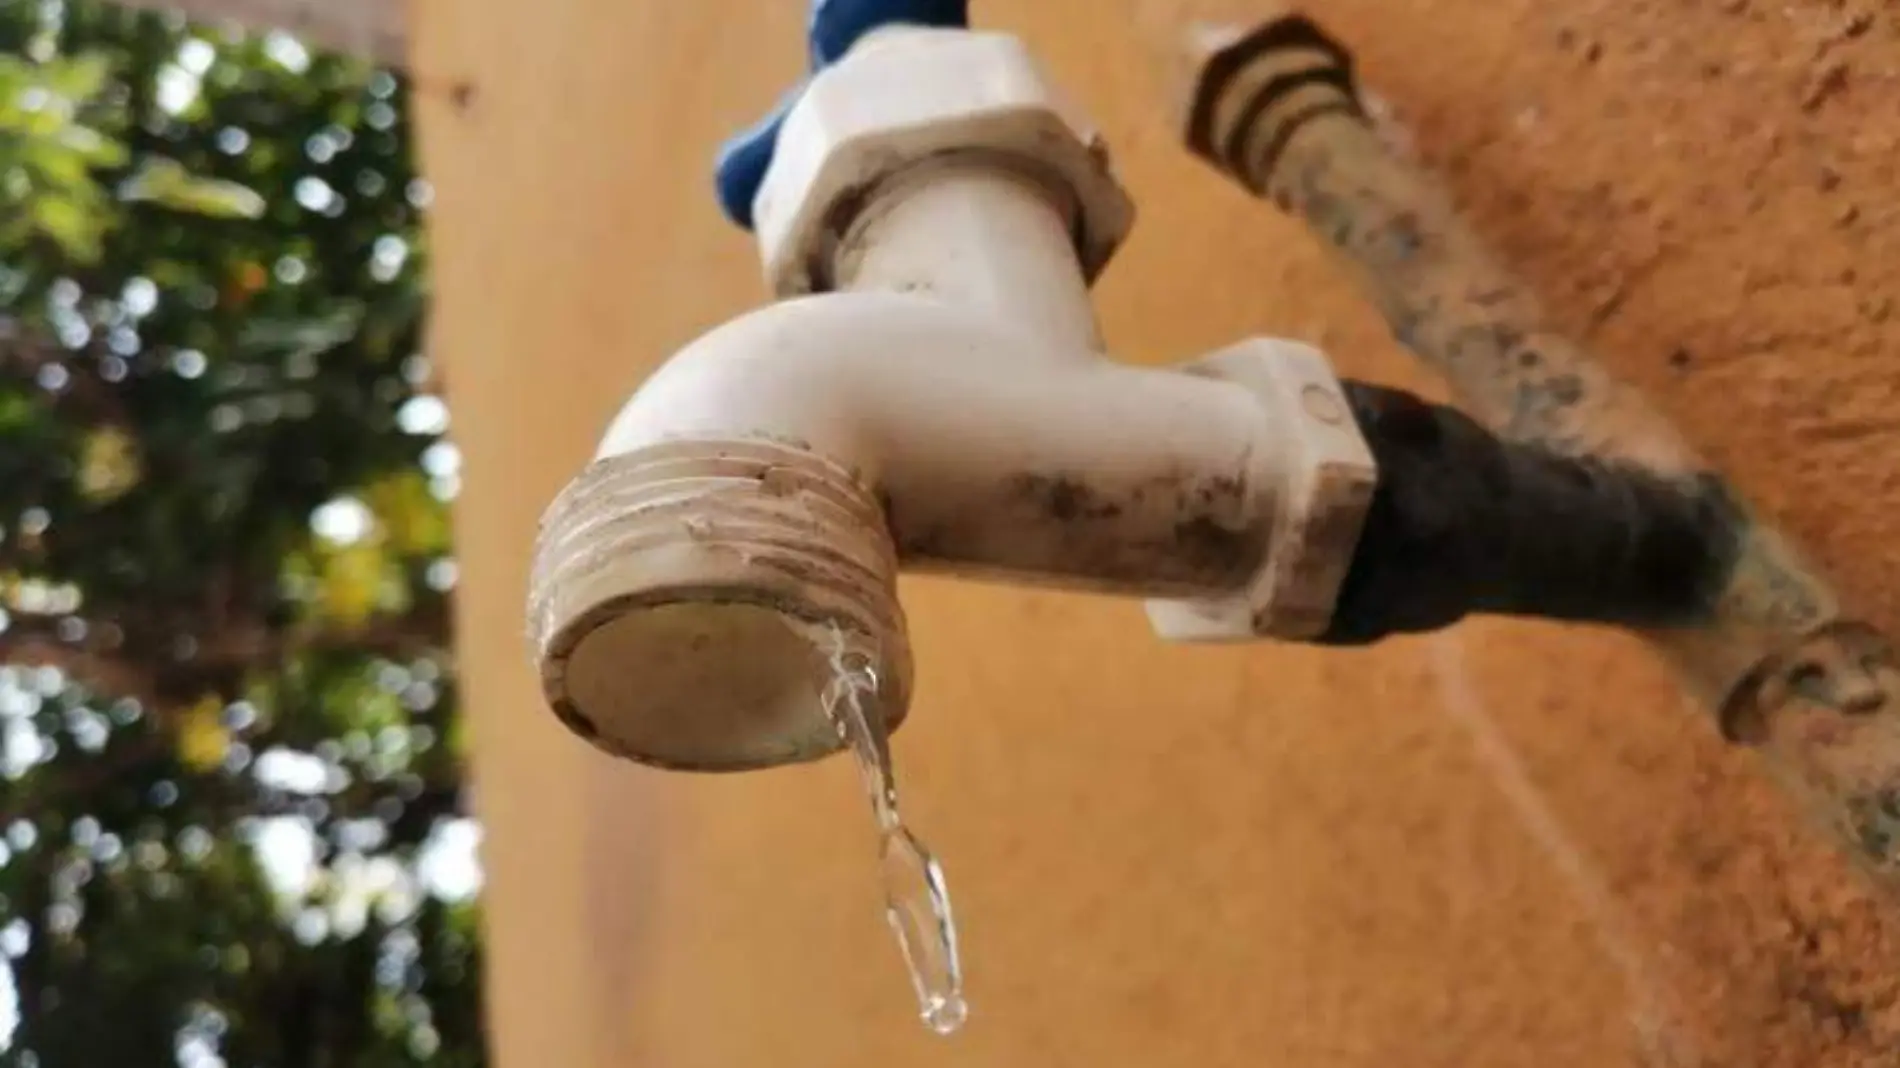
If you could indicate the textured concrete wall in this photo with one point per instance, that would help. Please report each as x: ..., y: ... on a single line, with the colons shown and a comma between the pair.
x: 1504, y: 846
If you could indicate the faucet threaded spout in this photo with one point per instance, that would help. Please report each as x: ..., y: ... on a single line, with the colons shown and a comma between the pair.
x: 684, y: 596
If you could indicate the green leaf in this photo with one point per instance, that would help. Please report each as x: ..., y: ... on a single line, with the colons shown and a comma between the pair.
x: 68, y: 223
x: 95, y: 148
x: 202, y: 739
x: 19, y: 413
x: 166, y: 183
x: 78, y: 78
x: 59, y: 170
x: 311, y: 336
x: 109, y: 464
x: 187, y: 544
x: 412, y: 521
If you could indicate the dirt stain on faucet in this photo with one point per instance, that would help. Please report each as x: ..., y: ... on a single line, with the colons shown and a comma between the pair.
x: 1163, y: 534
x: 1064, y: 498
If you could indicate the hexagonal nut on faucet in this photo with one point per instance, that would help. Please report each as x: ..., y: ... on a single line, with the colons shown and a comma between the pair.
x: 906, y: 96
x: 1326, y: 476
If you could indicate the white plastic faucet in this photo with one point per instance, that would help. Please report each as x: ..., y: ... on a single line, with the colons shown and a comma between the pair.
x: 929, y: 392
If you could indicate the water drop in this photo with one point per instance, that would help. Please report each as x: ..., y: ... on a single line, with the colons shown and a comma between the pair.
x: 917, y: 904
x: 916, y: 899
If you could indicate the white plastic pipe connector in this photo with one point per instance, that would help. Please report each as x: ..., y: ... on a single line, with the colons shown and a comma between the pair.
x: 977, y: 235
x: 946, y: 407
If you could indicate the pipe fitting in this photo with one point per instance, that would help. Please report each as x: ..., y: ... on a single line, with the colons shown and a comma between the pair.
x: 1327, y: 476
x: 907, y: 95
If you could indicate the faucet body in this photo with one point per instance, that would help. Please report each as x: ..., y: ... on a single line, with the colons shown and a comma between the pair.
x: 929, y: 392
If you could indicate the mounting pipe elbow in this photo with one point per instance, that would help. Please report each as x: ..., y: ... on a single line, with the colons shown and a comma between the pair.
x: 1777, y: 652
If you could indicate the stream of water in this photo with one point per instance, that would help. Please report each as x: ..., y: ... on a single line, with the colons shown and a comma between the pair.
x: 916, y: 901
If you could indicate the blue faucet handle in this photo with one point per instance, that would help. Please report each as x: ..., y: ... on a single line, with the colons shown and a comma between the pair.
x: 834, y: 26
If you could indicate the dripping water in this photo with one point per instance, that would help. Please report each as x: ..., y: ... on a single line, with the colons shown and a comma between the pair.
x: 916, y: 900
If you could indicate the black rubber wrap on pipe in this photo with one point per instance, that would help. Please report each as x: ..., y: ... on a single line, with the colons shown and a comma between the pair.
x: 1463, y: 522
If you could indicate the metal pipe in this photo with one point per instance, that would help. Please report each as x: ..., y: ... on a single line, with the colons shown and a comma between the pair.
x: 1782, y: 664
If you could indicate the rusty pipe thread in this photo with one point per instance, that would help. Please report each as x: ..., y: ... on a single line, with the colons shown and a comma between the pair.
x: 1817, y: 692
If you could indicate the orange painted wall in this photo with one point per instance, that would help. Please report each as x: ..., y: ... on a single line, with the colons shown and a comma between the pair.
x: 1510, y: 845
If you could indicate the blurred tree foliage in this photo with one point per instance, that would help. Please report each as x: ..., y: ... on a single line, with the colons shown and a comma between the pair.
x: 224, y: 560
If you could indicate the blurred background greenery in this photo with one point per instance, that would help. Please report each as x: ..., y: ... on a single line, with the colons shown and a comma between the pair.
x: 233, y: 822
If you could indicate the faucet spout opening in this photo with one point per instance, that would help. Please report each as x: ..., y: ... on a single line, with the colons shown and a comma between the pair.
x: 688, y: 599
x: 675, y: 652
